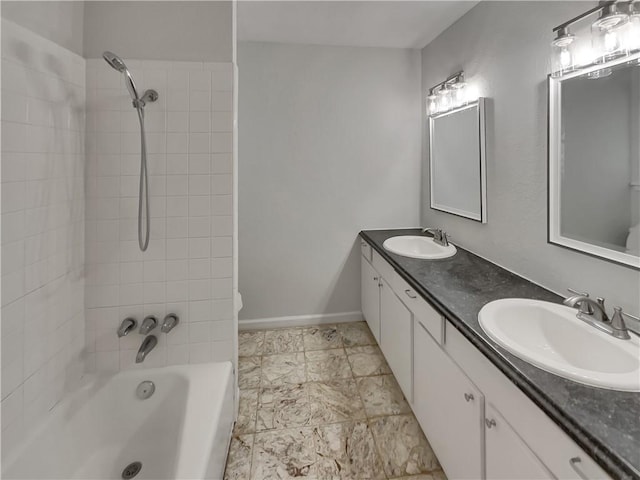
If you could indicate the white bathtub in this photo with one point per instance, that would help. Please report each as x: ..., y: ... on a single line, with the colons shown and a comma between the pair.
x: 181, y: 432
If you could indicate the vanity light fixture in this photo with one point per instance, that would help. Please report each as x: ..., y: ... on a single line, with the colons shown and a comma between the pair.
x: 562, y: 51
x: 613, y: 34
x: 448, y: 94
x: 633, y: 27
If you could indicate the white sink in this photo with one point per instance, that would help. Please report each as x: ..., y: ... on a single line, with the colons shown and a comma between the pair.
x: 550, y: 337
x: 418, y: 247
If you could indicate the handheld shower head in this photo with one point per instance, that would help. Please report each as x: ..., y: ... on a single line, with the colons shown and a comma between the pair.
x: 115, y: 61
x: 118, y: 64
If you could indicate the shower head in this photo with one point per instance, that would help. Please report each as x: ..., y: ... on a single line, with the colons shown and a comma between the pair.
x: 118, y: 64
x: 115, y: 61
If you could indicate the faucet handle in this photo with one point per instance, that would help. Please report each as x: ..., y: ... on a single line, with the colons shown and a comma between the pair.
x: 584, y: 307
x: 169, y: 322
x: 149, y: 323
x: 617, y: 324
x: 127, y: 325
x: 576, y: 292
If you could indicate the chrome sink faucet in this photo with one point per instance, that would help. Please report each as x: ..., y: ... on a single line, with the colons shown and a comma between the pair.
x: 595, y: 314
x: 148, y: 344
x: 439, y: 235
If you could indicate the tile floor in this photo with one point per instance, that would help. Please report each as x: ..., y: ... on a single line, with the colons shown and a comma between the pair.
x: 321, y: 403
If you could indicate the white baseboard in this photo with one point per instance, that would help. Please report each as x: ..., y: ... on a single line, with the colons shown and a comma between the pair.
x: 299, y: 320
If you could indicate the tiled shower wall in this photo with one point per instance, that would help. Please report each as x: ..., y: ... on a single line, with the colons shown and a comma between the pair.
x: 187, y: 268
x: 43, y: 116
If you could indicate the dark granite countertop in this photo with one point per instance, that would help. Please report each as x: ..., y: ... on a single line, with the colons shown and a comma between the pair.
x: 605, y: 423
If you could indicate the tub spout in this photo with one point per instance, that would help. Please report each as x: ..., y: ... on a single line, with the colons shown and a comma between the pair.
x: 148, y: 344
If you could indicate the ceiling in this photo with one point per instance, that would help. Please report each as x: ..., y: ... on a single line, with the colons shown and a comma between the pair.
x: 395, y: 24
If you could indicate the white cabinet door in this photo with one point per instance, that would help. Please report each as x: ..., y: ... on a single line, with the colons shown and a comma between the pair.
x: 448, y: 407
x: 395, y: 337
x: 507, y: 456
x: 370, y: 297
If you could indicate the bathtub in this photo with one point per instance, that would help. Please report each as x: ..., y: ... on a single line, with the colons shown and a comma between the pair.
x: 181, y: 431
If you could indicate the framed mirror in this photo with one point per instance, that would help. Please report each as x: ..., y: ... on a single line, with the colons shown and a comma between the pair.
x: 594, y: 161
x: 457, y: 161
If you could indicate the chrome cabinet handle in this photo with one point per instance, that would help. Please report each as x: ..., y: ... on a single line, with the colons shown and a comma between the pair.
x: 574, y: 464
x: 489, y: 423
x: 468, y: 397
x: 408, y: 292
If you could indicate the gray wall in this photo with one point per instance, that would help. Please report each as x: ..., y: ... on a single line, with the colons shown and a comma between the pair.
x: 504, y: 49
x: 178, y: 30
x: 329, y: 144
x: 60, y: 22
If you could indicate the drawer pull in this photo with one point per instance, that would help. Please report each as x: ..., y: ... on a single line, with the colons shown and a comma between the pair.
x: 574, y: 464
x: 376, y: 278
x: 489, y: 423
x: 468, y: 397
x: 408, y: 292
x: 363, y: 244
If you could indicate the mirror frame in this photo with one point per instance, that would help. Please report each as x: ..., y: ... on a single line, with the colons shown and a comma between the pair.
x: 554, y: 167
x: 480, y: 105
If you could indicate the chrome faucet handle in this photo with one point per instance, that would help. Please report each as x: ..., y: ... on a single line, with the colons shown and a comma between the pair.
x: 127, y: 325
x: 618, y: 326
x: 576, y: 292
x: 149, y: 323
x: 169, y: 322
x: 583, y: 307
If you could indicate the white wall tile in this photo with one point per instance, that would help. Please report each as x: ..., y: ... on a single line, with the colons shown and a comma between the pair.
x: 43, y: 195
x: 186, y: 268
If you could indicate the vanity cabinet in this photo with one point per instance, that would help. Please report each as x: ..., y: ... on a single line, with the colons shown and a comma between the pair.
x: 507, y: 456
x: 479, y: 424
x: 449, y: 408
x: 370, y: 297
x: 395, y: 337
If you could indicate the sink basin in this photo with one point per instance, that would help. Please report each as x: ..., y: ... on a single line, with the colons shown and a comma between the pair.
x: 550, y: 337
x: 418, y: 247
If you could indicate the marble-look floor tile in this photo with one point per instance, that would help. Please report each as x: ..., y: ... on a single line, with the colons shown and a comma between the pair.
x: 382, y: 396
x: 321, y: 338
x: 247, y: 410
x: 283, y: 369
x: 280, y: 454
x: 284, y: 340
x: 335, y: 401
x: 347, y: 451
x: 250, y: 343
x: 249, y: 372
x: 327, y: 365
x: 403, y: 448
x: 239, y: 458
x: 284, y: 406
x: 367, y: 361
x: 356, y: 334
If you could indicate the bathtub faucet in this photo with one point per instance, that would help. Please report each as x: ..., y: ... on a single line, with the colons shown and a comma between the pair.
x: 148, y: 344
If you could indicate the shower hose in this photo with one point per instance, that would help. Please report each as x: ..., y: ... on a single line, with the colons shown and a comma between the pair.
x: 143, y: 195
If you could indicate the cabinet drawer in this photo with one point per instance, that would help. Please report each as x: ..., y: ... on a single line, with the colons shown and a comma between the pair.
x: 424, y: 313
x: 365, y: 249
x: 551, y: 445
